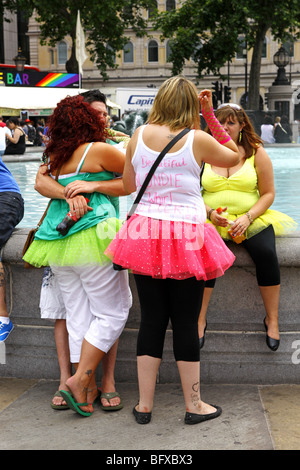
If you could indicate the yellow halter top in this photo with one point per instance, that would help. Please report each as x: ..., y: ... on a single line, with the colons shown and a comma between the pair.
x: 239, y: 192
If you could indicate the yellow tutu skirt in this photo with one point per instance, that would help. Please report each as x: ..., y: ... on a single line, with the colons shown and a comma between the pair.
x: 281, y: 222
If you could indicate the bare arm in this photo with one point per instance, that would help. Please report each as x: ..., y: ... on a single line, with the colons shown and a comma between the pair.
x: 110, y: 187
x: 129, y: 173
x: 208, y: 149
x: 16, y: 137
x: 266, y: 189
x: 48, y: 187
x: 265, y: 183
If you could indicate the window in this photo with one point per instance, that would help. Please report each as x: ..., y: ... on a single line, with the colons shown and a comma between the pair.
x: 264, y: 49
x: 62, y: 52
x: 168, y: 50
x: 241, y: 52
x: 51, y: 56
x: 195, y: 54
x: 152, y: 11
x: 170, y: 5
x: 289, y: 47
x: 152, y: 51
x: 112, y: 53
x: 128, y: 52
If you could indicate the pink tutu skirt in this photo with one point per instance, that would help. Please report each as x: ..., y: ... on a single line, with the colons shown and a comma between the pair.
x: 167, y: 249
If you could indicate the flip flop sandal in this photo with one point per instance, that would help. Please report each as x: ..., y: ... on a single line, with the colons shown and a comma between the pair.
x: 109, y: 396
x: 74, y: 405
x: 58, y: 407
x: 98, y: 397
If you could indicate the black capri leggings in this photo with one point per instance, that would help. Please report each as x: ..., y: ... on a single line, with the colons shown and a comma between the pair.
x: 262, y: 249
x: 162, y: 300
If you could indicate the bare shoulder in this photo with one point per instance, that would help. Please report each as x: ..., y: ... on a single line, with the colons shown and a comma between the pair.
x: 262, y: 157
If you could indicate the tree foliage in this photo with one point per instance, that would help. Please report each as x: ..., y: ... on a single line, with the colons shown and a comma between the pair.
x: 209, y: 32
x: 104, y: 22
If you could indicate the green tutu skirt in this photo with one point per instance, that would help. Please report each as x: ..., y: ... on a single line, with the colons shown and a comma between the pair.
x: 81, y: 248
x: 281, y: 222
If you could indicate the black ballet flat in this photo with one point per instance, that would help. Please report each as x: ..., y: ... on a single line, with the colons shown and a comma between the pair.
x: 140, y: 417
x: 272, y: 343
x: 202, y: 339
x: 194, y: 418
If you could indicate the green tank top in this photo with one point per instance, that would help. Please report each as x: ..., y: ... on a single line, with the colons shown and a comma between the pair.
x: 103, y: 206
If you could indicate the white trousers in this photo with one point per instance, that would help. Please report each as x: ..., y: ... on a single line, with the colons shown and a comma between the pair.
x: 97, y: 301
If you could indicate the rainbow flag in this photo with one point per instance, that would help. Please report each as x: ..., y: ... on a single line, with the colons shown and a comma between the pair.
x: 58, y: 80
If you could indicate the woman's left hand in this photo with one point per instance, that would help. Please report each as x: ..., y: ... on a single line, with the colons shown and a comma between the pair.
x: 240, y: 225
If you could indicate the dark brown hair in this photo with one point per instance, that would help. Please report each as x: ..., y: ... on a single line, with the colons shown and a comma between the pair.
x: 249, y: 139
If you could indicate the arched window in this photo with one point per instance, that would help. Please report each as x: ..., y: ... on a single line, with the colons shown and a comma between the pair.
x: 128, y: 52
x: 152, y: 51
x: 62, y: 52
x: 170, y: 5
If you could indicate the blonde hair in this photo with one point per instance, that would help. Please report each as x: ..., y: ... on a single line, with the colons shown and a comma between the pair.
x: 176, y: 105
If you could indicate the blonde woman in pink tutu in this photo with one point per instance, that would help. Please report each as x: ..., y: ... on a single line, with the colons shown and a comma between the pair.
x: 167, y: 244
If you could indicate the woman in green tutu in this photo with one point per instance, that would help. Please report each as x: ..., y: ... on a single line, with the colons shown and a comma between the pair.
x: 96, y: 297
x: 245, y: 192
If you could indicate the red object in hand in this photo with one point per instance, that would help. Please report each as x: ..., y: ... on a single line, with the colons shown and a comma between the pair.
x: 69, y: 220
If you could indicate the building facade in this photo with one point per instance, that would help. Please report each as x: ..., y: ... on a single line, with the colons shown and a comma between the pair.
x: 144, y: 63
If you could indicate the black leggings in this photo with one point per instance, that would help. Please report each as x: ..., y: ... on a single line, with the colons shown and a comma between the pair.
x: 262, y: 249
x: 162, y: 300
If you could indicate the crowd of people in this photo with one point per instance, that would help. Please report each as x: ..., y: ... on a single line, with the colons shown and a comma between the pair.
x: 174, y: 240
x: 278, y: 132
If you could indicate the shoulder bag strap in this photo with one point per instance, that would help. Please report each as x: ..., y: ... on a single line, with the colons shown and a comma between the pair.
x: 153, y: 168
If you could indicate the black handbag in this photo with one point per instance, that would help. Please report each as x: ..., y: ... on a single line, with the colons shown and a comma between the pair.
x: 118, y: 267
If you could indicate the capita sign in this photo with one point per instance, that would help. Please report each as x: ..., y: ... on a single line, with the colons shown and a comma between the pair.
x: 134, y: 99
x: 29, y: 78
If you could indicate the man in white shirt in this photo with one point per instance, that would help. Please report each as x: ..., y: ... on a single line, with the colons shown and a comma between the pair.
x: 4, y: 131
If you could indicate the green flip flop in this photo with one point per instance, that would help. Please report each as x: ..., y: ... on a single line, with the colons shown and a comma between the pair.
x: 59, y: 407
x: 70, y: 400
x: 109, y: 396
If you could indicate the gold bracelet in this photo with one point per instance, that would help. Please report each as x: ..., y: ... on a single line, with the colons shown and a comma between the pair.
x: 249, y: 217
x: 209, y: 213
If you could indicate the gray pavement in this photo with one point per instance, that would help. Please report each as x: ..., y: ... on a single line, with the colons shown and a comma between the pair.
x: 254, y: 418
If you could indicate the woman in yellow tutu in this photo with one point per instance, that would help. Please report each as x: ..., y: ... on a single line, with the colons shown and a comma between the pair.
x: 245, y: 192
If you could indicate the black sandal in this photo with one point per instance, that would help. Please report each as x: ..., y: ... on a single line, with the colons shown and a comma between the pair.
x: 140, y: 417
x: 194, y: 418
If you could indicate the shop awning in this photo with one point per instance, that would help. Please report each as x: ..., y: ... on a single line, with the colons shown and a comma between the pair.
x: 26, y: 98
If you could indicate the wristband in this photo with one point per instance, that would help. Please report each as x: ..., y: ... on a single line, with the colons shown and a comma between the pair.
x: 215, y: 127
x: 209, y: 213
x: 249, y: 217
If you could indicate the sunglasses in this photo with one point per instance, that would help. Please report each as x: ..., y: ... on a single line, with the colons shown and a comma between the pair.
x: 232, y: 105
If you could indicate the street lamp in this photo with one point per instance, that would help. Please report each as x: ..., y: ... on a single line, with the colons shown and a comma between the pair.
x: 281, y: 60
x: 20, y: 61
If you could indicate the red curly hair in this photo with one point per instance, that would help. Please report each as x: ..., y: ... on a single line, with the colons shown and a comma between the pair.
x: 73, y: 122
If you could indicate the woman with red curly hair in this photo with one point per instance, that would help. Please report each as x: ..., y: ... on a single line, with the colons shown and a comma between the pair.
x: 96, y: 297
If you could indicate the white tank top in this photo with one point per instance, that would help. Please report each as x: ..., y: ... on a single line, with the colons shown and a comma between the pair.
x: 174, y: 191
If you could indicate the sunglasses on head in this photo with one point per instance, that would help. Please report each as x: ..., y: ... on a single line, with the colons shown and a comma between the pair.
x: 232, y: 105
